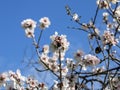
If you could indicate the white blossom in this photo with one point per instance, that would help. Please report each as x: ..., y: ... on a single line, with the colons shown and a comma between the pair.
x: 117, y: 12
x: 45, y: 49
x: 3, y: 78
x: 98, y: 69
x: 97, y: 31
x: 103, y: 4
x: 90, y: 60
x: 84, y: 26
x: 108, y: 38
x: 105, y: 14
x: 54, y: 66
x: 44, y: 58
x: 15, y: 81
x: 78, y: 55
x: 59, y: 42
x: 110, y: 26
x: 61, y: 56
x: 70, y: 63
x: 33, y: 83
x: 64, y: 71
x: 29, y: 33
x: 28, y: 24
x: 65, y: 83
x: 75, y: 17
x: 84, y: 67
x: 44, y: 22
x: 115, y: 82
x: 105, y: 17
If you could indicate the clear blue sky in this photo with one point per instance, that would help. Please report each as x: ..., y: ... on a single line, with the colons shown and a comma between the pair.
x: 13, y: 42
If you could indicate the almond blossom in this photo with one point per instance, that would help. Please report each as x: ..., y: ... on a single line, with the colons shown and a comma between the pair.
x: 103, y: 4
x: 105, y: 17
x: 59, y: 42
x: 29, y: 25
x: 90, y: 60
x: 75, y: 17
x: 115, y: 82
x: 70, y: 63
x: 79, y: 55
x: 54, y: 66
x: 15, y: 81
x: 29, y: 33
x: 44, y: 58
x: 64, y: 71
x: 108, y: 38
x: 75, y: 74
x: 45, y: 49
x: 117, y: 12
x: 98, y: 69
x: 44, y: 22
x: 3, y: 78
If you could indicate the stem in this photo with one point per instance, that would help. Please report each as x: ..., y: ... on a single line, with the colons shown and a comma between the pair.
x: 104, y: 72
x: 92, y: 85
x: 96, y: 14
x: 39, y: 38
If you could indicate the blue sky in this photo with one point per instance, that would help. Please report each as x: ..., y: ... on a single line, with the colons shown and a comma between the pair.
x: 13, y: 42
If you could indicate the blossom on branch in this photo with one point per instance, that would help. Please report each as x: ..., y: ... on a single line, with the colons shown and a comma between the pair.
x: 116, y: 82
x: 108, y: 38
x: 15, y: 81
x: 103, y: 4
x: 59, y: 42
x: 69, y: 73
x: 105, y: 17
x: 90, y: 60
x: 29, y: 25
x: 3, y: 78
x: 79, y: 55
x: 98, y: 69
x: 44, y: 58
x: 45, y: 49
x: 75, y: 17
x: 117, y: 12
x: 44, y: 22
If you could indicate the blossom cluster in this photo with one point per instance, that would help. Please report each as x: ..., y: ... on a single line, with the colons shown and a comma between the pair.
x: 15, y: 81
x: 74, y: 73
x: 58, y: 46
x: 108, y: 38
x: 116, y: 82
x: 105, y: 4
x: 61, y: 66
x: 59, y: 42
x: 67, y: 84
x: 29, y: 25
x: 104, y: 44
x: 86, y: 60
